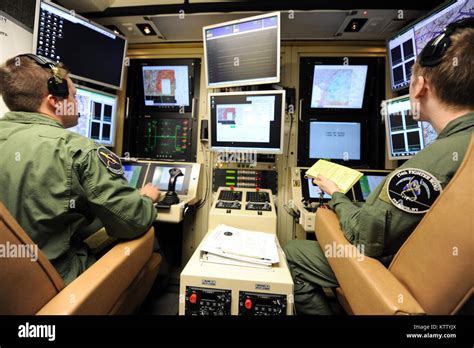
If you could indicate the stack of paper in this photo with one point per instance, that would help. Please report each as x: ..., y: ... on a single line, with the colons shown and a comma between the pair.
x: 342, y: 176
x: 229, y: 245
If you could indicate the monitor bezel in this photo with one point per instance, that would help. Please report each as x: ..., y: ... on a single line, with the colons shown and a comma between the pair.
x: 363, y: 141
x: 143, y: 172
x: 260, y: 81
x: 357, y: 191
x: 114, y: 116
x: 187, y: 176
x: 71, y: 74
x: 364, y: 95
x: 273, y: 151
x: 189, y: 62
x: 388, y: 140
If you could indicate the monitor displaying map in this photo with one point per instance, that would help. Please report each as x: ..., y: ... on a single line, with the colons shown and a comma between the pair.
x: 406, y: 46
x: 338, y: 86
x: 166, y: 85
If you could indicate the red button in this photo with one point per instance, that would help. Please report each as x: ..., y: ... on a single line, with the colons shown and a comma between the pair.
x: 193, y: 298
x: 248, y: 303
x: 232, y: 188
x: 257, y: 189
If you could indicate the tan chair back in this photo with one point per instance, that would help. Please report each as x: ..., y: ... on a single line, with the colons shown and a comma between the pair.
x: 436, y: 262
x: 26, y: 284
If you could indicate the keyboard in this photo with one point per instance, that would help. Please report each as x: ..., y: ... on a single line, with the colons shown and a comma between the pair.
x: 228, y: 195
x: 259, y: 197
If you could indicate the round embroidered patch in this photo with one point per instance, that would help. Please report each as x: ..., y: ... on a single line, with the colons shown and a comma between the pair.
x: 111, y: 160
x: 413, y: 190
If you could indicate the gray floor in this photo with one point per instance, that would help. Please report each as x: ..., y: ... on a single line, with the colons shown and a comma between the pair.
x: 163, y: 300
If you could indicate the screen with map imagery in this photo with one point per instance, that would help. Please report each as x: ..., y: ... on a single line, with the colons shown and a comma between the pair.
x: 166, y: 85
x: 405, y: 47
x: 338, y: 86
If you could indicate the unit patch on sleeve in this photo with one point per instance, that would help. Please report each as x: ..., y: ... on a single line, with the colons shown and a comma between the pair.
x: 111, y: 160
x: 413, y: 190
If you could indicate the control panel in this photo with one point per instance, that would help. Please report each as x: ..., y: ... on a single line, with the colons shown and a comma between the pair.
x: 140, y: 172
x: 205, y: 301
x: 230, y: 195
x: 243, y: 178
x: 210, y: 287
x: 250, y: 209
x: 255, y: 303
x: 228, y: 205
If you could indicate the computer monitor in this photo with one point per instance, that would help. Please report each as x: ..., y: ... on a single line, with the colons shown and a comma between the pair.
x: 405, y: 136
x: 335, y: 140
x: 250, y: 121
x: 368, y: 183
x: 164, y: 138
x: 405, y: 46
x: 243, y: 52
x: 338, y: 86
x: 166, y: 86
x: 98, y: 115
x: 135, y: 173
x: 90, y: 51
x: 159, y: 176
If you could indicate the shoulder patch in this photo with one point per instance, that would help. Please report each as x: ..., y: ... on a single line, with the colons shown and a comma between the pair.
x: 111, y: 160
x: 413, y: 190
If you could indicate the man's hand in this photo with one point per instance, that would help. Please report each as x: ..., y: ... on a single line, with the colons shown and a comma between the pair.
x: 326, y: 185
x: 151, y: 191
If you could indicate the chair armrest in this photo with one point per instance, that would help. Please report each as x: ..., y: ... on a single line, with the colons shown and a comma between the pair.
x: 368, y: 286
x: 98, y: 289
x: 99, y: 241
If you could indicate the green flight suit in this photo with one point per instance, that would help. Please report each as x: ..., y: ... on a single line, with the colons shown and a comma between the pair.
x: 54, y: 184
x: 378, y: 225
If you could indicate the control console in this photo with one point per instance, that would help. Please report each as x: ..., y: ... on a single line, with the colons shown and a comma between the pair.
x: 250, y: 209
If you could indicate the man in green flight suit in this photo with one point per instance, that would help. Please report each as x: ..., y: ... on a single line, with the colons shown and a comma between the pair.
x: 441, y: 91
x: 58, y: 184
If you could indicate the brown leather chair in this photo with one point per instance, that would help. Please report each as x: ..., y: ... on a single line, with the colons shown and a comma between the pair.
x: 116, y: 284
x: 433, y: 271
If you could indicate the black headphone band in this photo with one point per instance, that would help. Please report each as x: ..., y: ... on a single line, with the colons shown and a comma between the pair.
x: 57, y: 85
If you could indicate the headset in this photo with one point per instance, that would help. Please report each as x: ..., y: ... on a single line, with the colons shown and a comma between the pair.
x: 57, y: 85
x: 434, y: 51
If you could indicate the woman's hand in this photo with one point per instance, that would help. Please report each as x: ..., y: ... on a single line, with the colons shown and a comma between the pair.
x: 326, y: 185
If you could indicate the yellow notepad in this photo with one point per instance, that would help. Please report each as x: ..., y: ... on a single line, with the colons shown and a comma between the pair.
x: 344, y: 177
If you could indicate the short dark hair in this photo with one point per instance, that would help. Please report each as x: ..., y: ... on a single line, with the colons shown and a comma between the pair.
x: 453, y: 78
x: 24, y: 84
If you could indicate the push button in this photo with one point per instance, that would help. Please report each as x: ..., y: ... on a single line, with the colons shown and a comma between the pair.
x: 248, y: 303
x: 193, y: 298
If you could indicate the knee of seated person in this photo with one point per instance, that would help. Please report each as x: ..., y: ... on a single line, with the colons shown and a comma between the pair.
x: 290, y: 249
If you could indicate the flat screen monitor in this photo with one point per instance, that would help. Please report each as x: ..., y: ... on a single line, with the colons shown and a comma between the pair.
x: 368, y: 183
x: 98, y: 115
x: 408, y: 44
x: 135, y: 173
x: 405, y: 135
x: 90, y: 51
x: 338, y: 86
x: 166, y: 85
x: 164, y: 138
x: 243, y: 52
x: 159, y: 176
x: 335, y: 140
x: 250, y: 121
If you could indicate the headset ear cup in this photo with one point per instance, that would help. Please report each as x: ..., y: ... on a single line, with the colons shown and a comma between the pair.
x: 58, y: 89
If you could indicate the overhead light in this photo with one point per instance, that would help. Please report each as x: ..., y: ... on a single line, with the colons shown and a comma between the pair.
x: 115, y: 29
x: 146, y: 29
x: 355, y: 25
